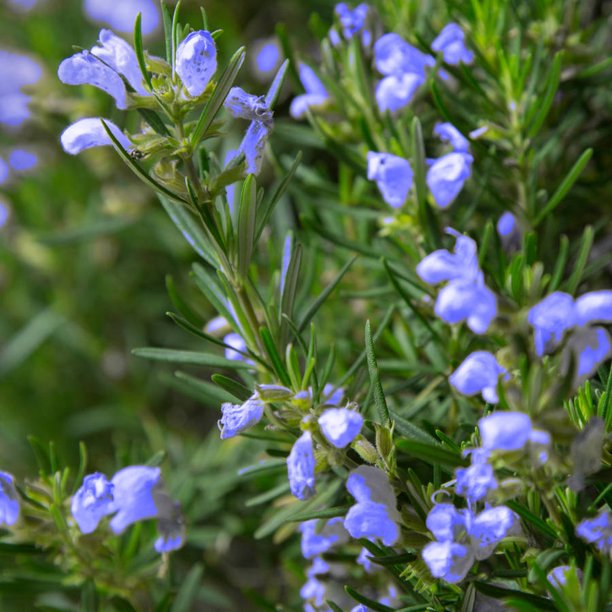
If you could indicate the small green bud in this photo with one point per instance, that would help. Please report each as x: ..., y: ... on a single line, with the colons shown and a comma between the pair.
x: 273, y: 393
x: 365, y: 449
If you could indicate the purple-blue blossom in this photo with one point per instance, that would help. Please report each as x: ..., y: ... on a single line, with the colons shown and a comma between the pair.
x: 92, y: 502
x: 447, y: 523
x: 247, y: 106
x: 505, y: 431
x: 479, y: 373
x: 237, y: 418
x: 448, y: 560
x: 393, y: 176
x: 353, y: 21
x: 237, y: 347
x: 196, y: 61
x: 267, y: 58
x: 89, y: 132
x: 448, y: 133
x: 451, y: 43
x: 558, y: 575
x: 447, y: 175
x: 475, y: 482
x: 301, y: 467
x: 395, y: 92
x: 121, y: 15
x: 22, y: 160
x: 340, y: 426
x: 9, y: 501
x: 315, y: 96
x: 317, y: 540
x: 597, y: 531
x: 16, y: 71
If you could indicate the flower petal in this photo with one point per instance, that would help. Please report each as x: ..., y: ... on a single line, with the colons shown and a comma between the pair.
x: 340, y: 426
x: 89, y: 132
x: 196, y: 61
x: 301, y: 467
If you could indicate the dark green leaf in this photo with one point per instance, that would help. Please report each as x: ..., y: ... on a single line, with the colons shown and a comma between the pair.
x: 379, y: 395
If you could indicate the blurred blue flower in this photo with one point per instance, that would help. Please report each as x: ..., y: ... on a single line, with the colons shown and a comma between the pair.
x: 353, y: 21
x: 237, y: 418
x: 122, y: 15
x: 506, y: 224
x: 448, y: 560
x: 393, y: 55
x: 597, y: 531
x: 170, y: 521
x: 393, y: 176
x: 590, y: 347
x: 490, y: 527
x: 593, y: 307
x: 551, y: 318
x: 447, y: 132
x: 475, y: 482
x: 395, y: 92
x: 332, y: 395
x: 133, y: 499
x: 451, y: 43
x: 16, y: 71
x: 505, y: 431
x: 196, y: 61
x: 22, y: 160
x: 301, y: 467
x: 558, y: 575
x: 316, y: 94
x: 364, y: 559
x: 238, y: 347
x: 447, y: 175
x: 247, y: 106
x: 317, y: 540
x: 89, y: 132
x: 267, y: 58
x: 92, y: 502
x: 367, y: 483
x: 479, y: 373
x: 372, y: 521
x: 447, y: 523
x: 121, y: 57
x: 5, y: 172
x: 340, y: 426
x: 9, y: 501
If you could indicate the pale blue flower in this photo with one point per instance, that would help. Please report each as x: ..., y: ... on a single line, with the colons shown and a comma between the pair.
x: 447, y: 523
x: 133, y: 489
x: 479, y: 373
x: 558, y: 575
x: 505, y: 431
x: 237, y: 347
x: 597, y: 531
x: 372, y: 521
x: 448, y: 560
x: 395, y: 92
x: 170, y: 522
x: 16, y: 71
x: 332, y: 395
x: 253, y: 145
x: 451, y: 43
x: 447, y: 132
x: 475, y: 482
x: 237, y: 418
x: 85, y: 68
x: 316, y: 540
x: 121, y: 15
x: 593, y: 307
x: 442, y: 265
x: 267, y: 57
x: 92, y: 502
x: 551, y: 318
x: 121, y: 57
x: 9, y: 500
x: 285, y: 261
x: 506, y: 224
x: 89, y: 132
x: 22, y: 160
x: 490, y: 527
x: 368, y: 483
x: 196, y: 61
x: 590, y: 346
x: 340, y: 426
x: 316, y: 95
x: 247, y: 106
x: 393, y: 176
x: 301, y: 467
x: 365, y: 560
x: 393, y: 55
x: 447, y: 175
x: 353, y: 21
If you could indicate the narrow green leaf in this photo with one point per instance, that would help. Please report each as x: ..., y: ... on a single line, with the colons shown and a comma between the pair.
x: 583, y: 256
x: 191, y: 357
x: 314, y: 307
x: 154, y: 120
x: 277, y: 362
x: 231, y: 386
x: 188, y: 313
x: 188, y: 592
x: 218, y: 97
x: 366, y: 601
x: 565, y: 186
x: 431, y: 452
x: 247, y: 212
x: 560, y: 262
x: 541, y: 105
x: 167, y: 21
x: 205, y: 391
x: 497, y: 592
x: 276, y: 85
x: 409, y: 430
x: 175, y: 33
x: 140, y: 51
x: 379, y: 395
x: 268, y: 496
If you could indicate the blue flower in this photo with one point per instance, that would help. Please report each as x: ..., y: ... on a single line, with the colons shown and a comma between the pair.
x: 89, y: 132
x: 490, y: 527
x: 267, y: 58
x: 332, y: 395
x: 590, y: 346
x: 92, y: 502
x: 447, y: 132
x: 393, y: 176
x: 170, y: 522
x: 301, y: 467
x: 506, y: 224
x: 247, y: 106
x: 367, y: 483
x: 16, y: 71
x: 447, y: 175
x: 393, y: 55
x: 372, y: 521
x: 196, y: 61
x: 465, y: 297
x: 238, y: 347
x: 475, y: 482
x: 315, y: 97
x: 133, y: 488
x: 478, y: 374
x: 253, y: 145
x: 447, y: 523
x: 9, y: 501
x: 236, y: 418
x: 558, y: 575
x: 121, y: 57
x: 505, y: 431
x: 353, y: 21
x: 593, y: 307
x: 448, y: 560
x: 551, y: 318
x: 395, y: 92
x: 340, y: 426
x: 122, y: 15
x: 365, y: 560
x: 451, y: 43
x: 597, y: 531
x: 22, y: 160
x: 316, y: 541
